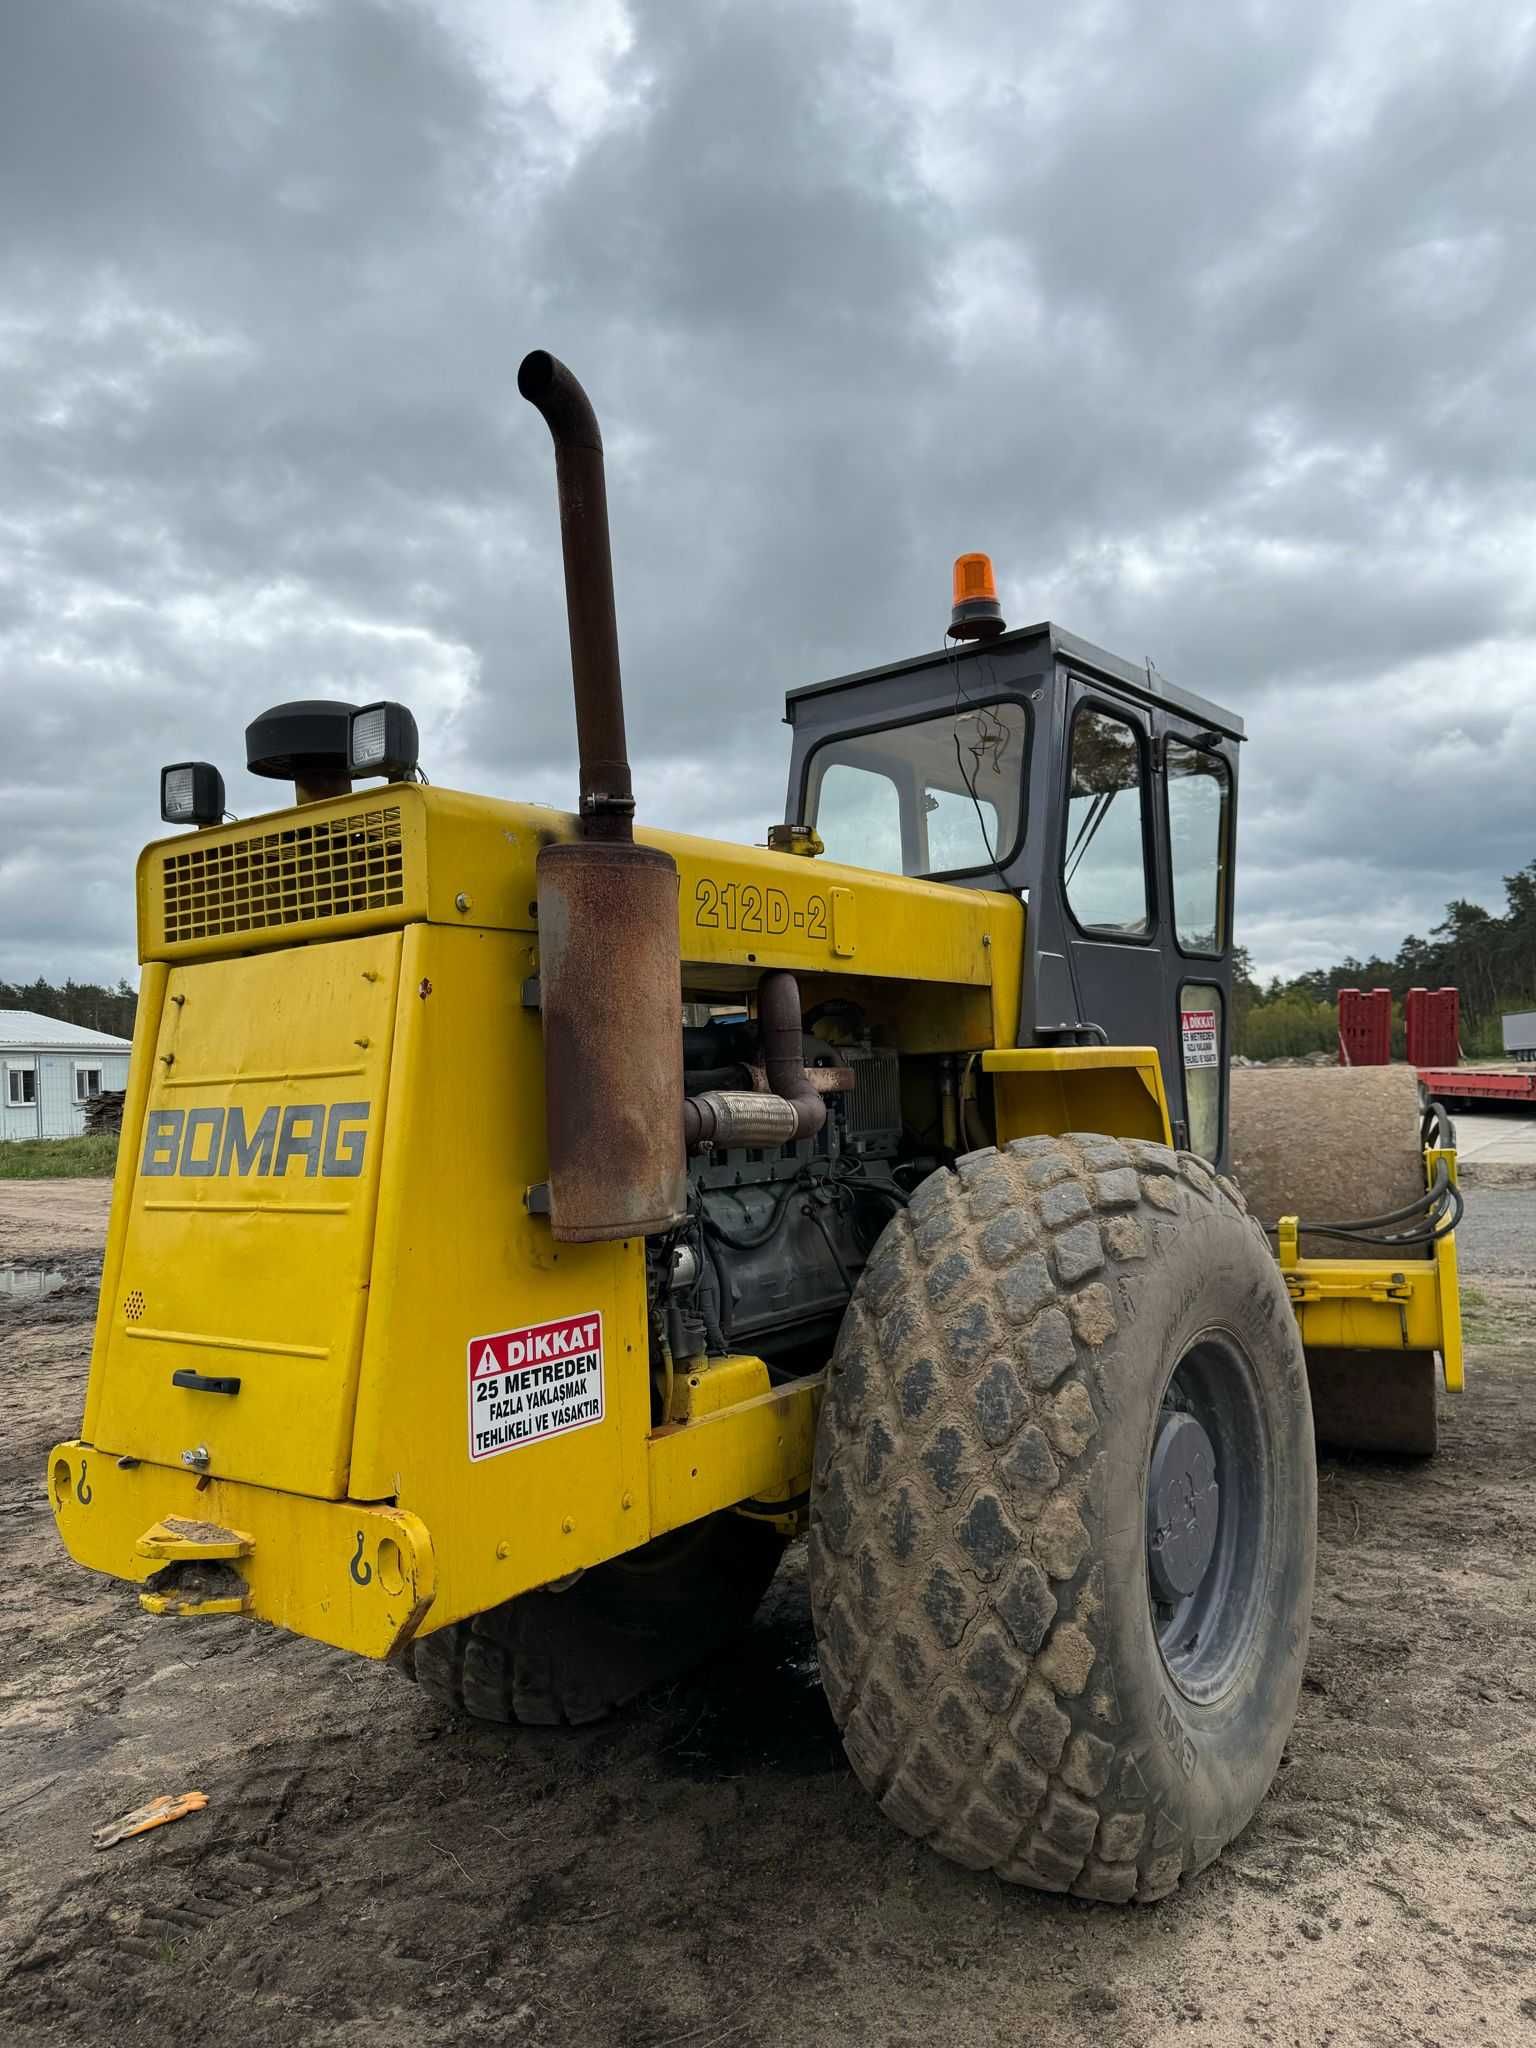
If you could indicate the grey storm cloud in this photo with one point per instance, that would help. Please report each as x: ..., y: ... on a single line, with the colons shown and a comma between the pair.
x: 1215, y: 326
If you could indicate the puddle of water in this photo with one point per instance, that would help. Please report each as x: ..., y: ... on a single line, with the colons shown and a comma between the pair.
x: 30, y: 1283
x: 757, y: 1710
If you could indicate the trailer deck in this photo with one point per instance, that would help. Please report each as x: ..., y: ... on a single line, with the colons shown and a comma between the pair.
x: 1497, y: 1086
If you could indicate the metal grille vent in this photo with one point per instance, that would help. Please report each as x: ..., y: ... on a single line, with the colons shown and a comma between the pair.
x: 874, y: 1112
x: 333, y: 868
x: 133, y: 1307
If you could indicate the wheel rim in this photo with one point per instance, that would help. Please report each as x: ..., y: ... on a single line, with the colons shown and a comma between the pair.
x: 1208, y: 1520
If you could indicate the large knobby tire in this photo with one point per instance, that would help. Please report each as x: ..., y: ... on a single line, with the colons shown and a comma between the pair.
x: 1036, y: 1331
x: 621, y: 1629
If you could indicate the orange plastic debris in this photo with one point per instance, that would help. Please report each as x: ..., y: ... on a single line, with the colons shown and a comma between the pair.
x: 155, y: 1814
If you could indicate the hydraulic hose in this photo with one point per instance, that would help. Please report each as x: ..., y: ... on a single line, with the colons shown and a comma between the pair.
x: 1440, y: 1209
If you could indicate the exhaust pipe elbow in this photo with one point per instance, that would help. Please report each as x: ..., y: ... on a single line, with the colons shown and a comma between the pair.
x: 781, y: 1027
x: 550, y: 387
x: 793, y: 1109
x: 607, y: 793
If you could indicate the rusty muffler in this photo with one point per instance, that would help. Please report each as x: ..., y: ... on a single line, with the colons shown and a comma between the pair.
x: 610, y: 968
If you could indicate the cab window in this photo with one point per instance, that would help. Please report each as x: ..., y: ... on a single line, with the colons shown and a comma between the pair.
x: 861, y: 817
x: 1104, y: 869
x: 1202, y: 1026
x: 1199, y: 803
x: 941, y: 796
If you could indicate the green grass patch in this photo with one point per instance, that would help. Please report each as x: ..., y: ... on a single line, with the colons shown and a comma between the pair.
x: 1497, y: 1318
x: 58, y: 1158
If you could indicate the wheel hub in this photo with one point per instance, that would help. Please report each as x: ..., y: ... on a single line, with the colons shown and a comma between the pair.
x: 1183, y: 1507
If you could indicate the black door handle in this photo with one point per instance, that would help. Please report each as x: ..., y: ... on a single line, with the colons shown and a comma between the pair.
x: 204, y: 1383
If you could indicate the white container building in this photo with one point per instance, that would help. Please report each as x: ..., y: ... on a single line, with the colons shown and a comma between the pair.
x: 49, y: 1071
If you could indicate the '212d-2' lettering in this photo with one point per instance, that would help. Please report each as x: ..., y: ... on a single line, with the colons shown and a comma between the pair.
x: 747, y: 907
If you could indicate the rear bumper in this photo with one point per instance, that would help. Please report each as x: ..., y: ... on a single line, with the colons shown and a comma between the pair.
x: 361, y: 1578
x: 368, y: 1578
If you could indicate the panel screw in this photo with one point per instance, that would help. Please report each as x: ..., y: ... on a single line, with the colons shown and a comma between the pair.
x: 627, y: 1501
x: 503, y: 1550
x: 196, y: 1459
x: 461, y: 901
x: 567, y: 1526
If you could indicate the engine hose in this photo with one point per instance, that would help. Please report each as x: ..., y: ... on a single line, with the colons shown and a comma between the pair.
x: 852, y: 1174
x: 760, y: 1238
x: 790, y: 1506
x: 809, y: 1209
x: 974, y: 1130
x: 669, y: 1376
x: 714, y: 1329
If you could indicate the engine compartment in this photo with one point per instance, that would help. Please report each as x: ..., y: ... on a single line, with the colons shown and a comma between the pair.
x: 776, y: 1237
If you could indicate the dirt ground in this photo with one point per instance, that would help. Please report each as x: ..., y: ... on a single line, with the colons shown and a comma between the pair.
x: 706, y: 1869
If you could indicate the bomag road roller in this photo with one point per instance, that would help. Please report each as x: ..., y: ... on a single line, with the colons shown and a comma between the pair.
x: 527, y: 1223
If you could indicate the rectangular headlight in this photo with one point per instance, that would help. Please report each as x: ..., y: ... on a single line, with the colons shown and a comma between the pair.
x: 369, y: 738
x: 191, y: 793
x: 382, y: 740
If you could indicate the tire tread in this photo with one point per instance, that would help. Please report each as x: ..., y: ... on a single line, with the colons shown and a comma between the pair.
x: 994, y: 1294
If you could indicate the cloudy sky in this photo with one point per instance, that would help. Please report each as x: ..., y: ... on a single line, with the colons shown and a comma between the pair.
x: 1215, y: 325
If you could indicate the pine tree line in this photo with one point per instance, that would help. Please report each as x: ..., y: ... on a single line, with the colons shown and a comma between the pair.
x: 1490, y: 959
x: 78, y: 1002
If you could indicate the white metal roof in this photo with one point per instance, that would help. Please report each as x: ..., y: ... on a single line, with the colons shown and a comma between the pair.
x: 26, y: 1031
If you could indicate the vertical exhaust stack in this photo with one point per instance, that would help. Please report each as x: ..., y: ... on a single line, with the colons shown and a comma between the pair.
x: 610, y: 968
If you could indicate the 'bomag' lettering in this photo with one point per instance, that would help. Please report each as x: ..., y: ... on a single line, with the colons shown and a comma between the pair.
x: 207, y: 1144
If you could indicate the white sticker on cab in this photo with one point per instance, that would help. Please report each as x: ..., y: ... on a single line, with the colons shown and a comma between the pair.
x: 1200, y: 1039
x: 531, y: 1384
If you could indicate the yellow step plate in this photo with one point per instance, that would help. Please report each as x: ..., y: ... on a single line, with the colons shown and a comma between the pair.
x: 175, y: 1540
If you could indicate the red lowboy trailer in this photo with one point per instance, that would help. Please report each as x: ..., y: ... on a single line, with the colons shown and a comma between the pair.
x: 1473, y: 1085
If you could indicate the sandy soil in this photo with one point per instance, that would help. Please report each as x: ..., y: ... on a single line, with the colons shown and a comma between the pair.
x: 706, y: 1870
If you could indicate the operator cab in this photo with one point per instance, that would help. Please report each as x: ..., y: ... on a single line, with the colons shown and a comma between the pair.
x: 1093, y: 789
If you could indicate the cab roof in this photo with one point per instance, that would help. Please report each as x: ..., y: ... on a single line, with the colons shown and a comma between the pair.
x: 1139, y: 680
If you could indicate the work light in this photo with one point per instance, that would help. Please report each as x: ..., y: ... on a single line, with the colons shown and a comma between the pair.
x: 382, y: 740
x: 191, y: 793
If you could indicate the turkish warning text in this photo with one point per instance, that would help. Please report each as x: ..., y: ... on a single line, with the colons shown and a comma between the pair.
x: 528, y: 1385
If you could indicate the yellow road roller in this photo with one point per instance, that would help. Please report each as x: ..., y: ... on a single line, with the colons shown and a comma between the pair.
x: 527, y: 1223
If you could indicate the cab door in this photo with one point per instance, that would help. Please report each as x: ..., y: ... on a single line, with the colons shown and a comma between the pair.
x: 1195, y: 824
x: 1145, y: 879
x: 1113, y: 914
